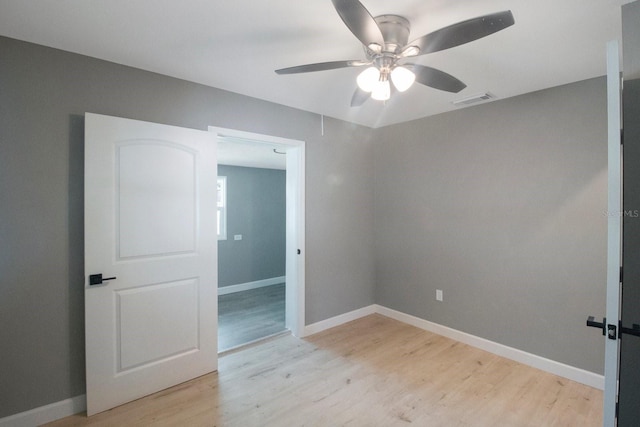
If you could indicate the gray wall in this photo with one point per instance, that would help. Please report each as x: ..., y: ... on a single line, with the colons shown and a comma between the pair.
x: 501, y: 206
x: 256, y: 209
x: 43, y: 95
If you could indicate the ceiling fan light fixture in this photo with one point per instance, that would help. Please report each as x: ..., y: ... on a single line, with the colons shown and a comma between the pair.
x: 402, y: 78
x: 382, y: 90
x: 410, y: 51
x: 368, y: 79
x: 374, y: 47
x: 385, y: 38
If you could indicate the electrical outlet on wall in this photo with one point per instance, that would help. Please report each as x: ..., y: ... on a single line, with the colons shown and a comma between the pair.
x: 438, y: 294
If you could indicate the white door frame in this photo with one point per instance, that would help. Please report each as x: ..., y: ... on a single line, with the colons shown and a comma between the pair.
x: 614, y: 240
x: 295, y: 228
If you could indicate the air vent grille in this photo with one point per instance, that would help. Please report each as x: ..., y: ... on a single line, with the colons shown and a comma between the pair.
x: 483, y: 97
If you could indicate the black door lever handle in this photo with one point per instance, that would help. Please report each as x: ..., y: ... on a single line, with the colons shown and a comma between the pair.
x: 97, y: 279
x: 634, y: 330
x: 592, y: 323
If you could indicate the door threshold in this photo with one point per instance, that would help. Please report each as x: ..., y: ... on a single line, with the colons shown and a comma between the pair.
x: 253, y: 343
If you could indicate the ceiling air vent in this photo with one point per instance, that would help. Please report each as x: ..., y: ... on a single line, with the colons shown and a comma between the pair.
x: 483, y: 97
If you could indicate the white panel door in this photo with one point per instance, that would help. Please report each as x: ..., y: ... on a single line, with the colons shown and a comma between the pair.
x: 150, y: 230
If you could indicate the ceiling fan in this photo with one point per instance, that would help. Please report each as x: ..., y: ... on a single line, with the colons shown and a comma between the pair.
x: 385, y: 39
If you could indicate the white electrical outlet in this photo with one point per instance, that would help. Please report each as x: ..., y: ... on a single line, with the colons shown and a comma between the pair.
x: 438, y: 295
x: 237, y: 237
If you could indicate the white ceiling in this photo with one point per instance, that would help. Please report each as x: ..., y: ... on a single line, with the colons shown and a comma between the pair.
x: 251, y: 154
x: 237, y: 44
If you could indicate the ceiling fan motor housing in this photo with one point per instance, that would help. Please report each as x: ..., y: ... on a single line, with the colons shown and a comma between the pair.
x: 395, y: 31
x: 385, y: 40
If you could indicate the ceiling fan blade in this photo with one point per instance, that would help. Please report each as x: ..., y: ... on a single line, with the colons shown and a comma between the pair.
x: 463, y: 32
x: 358, y: 19
x: 359, y: 97
x: 435, y: 78
x: 321, y: 66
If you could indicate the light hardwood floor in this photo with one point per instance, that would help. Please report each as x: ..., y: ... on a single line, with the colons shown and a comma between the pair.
x: 373, y: 371
x: 250, y: 315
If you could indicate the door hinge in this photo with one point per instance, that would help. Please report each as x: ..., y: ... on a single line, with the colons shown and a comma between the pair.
x: 617, y: 409
x: 621, y: 274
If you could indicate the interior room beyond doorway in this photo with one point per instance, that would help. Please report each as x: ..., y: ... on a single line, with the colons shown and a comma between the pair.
x: 252, y: 246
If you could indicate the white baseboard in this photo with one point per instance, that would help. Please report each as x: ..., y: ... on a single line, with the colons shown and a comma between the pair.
x: 250, y: 285
x: 570, y: 372
x: 557, y: 368
x: 46, y: 414
x: 77, y: 404
x: 338, y: 320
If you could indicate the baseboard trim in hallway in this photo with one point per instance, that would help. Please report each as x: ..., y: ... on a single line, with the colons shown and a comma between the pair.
x: 250, y: 285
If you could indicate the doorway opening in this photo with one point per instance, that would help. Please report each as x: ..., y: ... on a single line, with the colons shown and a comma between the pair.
x: 251, y: 248
x: 261, y: 266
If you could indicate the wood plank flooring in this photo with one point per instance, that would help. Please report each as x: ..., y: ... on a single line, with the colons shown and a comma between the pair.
x: 246, y: 316
x: 374, y: 371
